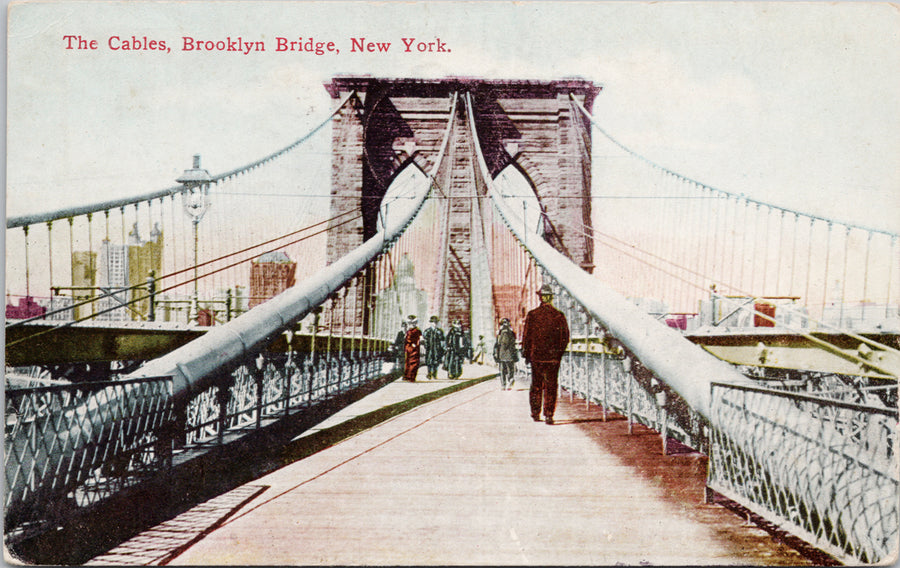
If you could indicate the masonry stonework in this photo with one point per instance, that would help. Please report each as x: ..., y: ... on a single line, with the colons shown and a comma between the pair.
x: 529, y: 125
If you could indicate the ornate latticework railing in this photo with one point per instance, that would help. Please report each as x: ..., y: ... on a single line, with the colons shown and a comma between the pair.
x: 828, y: 475
x: 824, y: 469
x: 225, y: 381
x: 120, y: 421
x: 273, y: 386
x: 599, y: 370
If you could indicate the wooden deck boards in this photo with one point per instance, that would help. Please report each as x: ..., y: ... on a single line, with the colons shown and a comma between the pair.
x: 471, y: 479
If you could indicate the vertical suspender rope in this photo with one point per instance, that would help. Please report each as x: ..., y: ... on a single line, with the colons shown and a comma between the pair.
x: 27, y: 267
x: 72, y: 256
x: 844, y: 275
x: 865, y: 295
x: 699, y: 250
x: 722, y: 203
x: 709, y: 217
x: 752, y: 289
x: 887, y: 301
x: 50, y: 257
x: 778, y: 250
x: 744, y: 227
x: 169, y: 236
x: 696, y: 251
x: 731, y: 272
x: 106, y: 247
x: 825, y: 277
x: 794, y: 224
x: 91, y: 270
x: 671, y: 243
x: 765, y: 254
x: 669, y: 227
x: 806, y: 296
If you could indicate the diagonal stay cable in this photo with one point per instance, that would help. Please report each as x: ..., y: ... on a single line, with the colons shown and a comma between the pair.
x: 142, y: 298
x: 171, y: 274
x: 820, y: 323
x: 829, y: 346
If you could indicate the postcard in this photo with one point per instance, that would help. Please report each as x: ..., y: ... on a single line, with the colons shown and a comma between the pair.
x: 452, y: 283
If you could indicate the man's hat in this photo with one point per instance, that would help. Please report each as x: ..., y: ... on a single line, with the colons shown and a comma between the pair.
x: 434, y: 318
x: 546, y: 290
x: 413, y: 319
x: 504, y: 321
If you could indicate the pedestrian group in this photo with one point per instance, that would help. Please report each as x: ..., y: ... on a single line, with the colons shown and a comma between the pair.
x: 544, y: 341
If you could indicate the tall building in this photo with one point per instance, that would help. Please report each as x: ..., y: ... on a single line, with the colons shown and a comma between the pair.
x: 143, y: 257
x: 84, y: 270
x: 112, y: 274
x: 270, y: 274
x: 399, y: 300
x: 117, y: 267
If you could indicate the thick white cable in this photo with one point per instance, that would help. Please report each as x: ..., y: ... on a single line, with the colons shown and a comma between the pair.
x: 683, y: 366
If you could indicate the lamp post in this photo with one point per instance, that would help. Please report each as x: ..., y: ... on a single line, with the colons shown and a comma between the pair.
x: 196, y: 203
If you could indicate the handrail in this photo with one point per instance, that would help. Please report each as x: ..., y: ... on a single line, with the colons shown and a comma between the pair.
x: 56, y: 215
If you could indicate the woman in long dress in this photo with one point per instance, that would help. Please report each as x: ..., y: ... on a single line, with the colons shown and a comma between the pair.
x: 411, y: 349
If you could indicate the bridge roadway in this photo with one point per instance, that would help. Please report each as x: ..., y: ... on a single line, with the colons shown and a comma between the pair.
x: 469, y: 478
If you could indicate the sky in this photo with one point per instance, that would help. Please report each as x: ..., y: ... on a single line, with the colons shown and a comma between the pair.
x: 792, y: 103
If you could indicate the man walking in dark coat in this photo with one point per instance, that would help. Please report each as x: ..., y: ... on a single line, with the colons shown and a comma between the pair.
x: 433, y: 340
x: 543, y: 344
x: 455, y: 352
x: 505, y: 354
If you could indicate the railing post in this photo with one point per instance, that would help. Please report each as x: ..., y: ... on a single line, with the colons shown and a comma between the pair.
x: 663, y: 420
x: 313, y: 355
x: 626, y: 365
x: 588, y: 359
x: 256, y: 369
x: 603, y: 389
x: 289, y: 338
x: 328, y: 360
x: 341, y: 355
x: 151, y: 296
x: 223, y: 395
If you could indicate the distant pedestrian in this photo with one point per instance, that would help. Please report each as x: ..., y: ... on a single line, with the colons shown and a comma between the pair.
x: 467, y: 339
x: 433, y: 340
x: 543, y: 344
x: 411, y: 349
x: 479, y: 351
x: 506, y: 354
x: 398, y: 347
x: 455, y: 351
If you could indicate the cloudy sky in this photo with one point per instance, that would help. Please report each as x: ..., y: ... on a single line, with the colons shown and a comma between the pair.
x: 790, y: 103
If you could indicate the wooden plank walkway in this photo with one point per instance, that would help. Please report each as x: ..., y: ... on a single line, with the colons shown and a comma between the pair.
x: 471, y: 479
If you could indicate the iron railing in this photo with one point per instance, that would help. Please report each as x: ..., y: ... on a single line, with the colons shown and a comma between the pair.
x: 599, y: 371
x: 272, y: 387
x: 222, y: 381
x: 824, y: 469
x: 849, y: 508
x: 140, y: 430
x: 106, y: 432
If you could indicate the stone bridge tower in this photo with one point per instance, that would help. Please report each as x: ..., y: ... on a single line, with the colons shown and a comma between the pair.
x: 530, y: 125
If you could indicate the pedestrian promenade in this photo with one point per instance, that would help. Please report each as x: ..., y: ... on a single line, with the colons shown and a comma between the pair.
x: 469, y: 478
